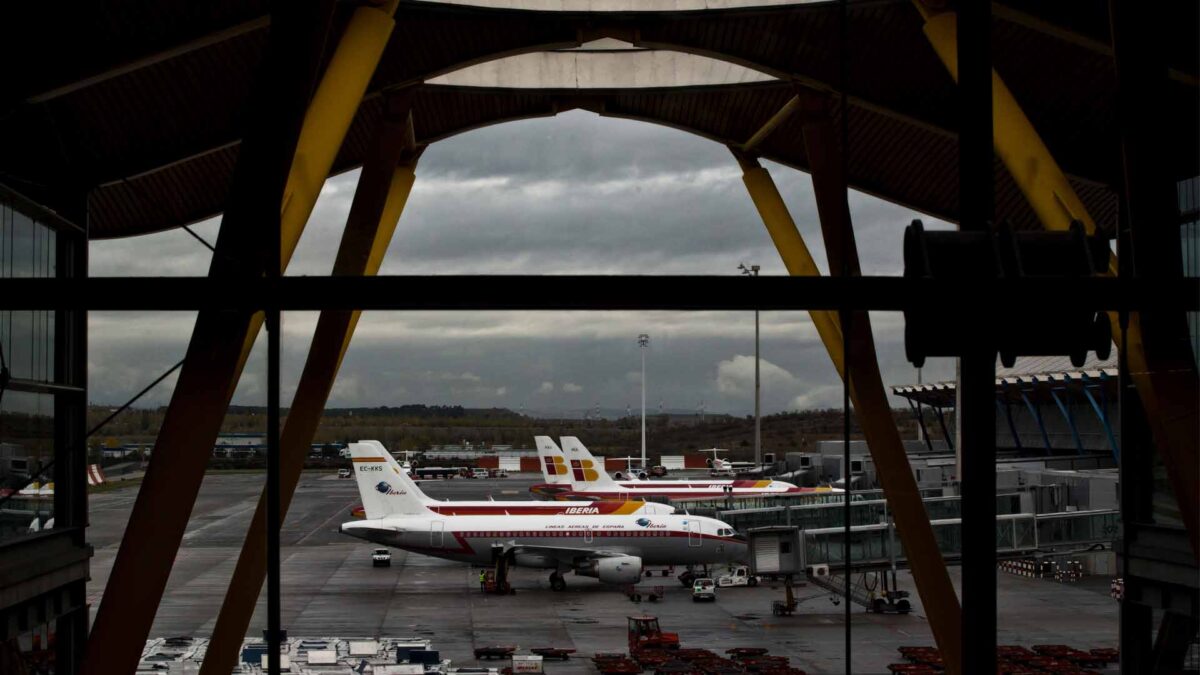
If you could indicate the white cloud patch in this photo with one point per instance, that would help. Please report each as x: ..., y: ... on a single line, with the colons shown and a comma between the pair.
x: 824, y: 396
x: 546, y: 388
x: 736, y: 375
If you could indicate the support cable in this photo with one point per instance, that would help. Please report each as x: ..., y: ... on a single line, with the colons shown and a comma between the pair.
x: 133, y: 400
x: 158, y: 206
x: 199, y: 238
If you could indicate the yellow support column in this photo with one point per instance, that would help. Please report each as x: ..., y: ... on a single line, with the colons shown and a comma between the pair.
x: 796, y: 256
x: 875, y: 417
x: 1017, y: 143
x: 330, y: 113
x: 1167, y: 385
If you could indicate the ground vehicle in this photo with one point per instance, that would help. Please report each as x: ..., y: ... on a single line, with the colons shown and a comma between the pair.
x: 738, y: 576
x: 644, y: 633
x: 658, y: 471
x: 343, y: 473
x: 381, y: 557
x: 704, y: 589
x: 479, y: 473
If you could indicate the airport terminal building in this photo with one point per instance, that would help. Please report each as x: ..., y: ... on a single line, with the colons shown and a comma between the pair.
x: 1059, y: 139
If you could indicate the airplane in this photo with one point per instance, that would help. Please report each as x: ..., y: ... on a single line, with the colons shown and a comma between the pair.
x: 555, y: 471
x: 611, y: 547
x: 725, y: 467
x: 505, y: 508
x: 587, y: 479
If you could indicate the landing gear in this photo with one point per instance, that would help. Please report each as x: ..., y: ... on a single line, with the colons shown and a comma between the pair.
x: 557, y: 582
x: 687, y: 578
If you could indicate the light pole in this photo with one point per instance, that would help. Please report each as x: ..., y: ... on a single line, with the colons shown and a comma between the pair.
x: 753, y: 271
x: 643, y: 342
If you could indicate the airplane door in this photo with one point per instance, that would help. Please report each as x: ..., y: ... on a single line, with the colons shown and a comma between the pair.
x: 436, y: 531
x: 587, y: 534
x: 694, y: 538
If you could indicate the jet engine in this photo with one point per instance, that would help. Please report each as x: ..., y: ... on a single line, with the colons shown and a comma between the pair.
x: 621, y: 569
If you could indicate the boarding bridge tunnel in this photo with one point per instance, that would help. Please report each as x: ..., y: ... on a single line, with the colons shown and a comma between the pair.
x: 793, y: 549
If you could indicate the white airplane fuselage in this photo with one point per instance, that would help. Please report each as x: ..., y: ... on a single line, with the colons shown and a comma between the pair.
x: 657, y: 539
x: 675, y: 490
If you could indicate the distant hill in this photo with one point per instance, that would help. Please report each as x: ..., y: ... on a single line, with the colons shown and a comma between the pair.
x: 418, y: 426
x: 613, y: 413
x: 416, y: 410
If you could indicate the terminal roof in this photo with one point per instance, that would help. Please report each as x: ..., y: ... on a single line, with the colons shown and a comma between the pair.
x: 143, y: 103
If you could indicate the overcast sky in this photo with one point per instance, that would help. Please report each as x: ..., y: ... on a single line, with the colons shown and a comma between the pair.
x: 575, y: 194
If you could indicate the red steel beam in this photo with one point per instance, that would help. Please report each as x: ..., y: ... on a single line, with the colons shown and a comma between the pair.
x: 871, y: 404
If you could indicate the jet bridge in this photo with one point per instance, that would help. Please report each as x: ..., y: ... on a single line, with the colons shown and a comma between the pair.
x: 877, y: 545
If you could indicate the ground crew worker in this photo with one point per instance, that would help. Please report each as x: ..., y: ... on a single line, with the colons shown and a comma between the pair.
x: 483, y: 581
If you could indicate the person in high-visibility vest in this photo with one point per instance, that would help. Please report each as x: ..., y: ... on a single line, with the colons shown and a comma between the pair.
x: 483, y: 581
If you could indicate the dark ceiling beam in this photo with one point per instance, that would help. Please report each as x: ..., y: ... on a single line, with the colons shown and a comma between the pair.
x: 1050, y: 29
x: 109, y: 72
x: 1026, y: 20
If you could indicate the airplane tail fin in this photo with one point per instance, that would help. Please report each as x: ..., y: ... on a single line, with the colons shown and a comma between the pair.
x: 554, y: 464
x: 384, y: 488
x: 405, y: 479
x: 587, y: 472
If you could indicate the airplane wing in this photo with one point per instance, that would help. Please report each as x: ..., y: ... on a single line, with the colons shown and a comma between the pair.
x: 564, y: 554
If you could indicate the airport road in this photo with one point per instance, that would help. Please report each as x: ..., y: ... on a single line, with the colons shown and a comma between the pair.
x: 331, y: 589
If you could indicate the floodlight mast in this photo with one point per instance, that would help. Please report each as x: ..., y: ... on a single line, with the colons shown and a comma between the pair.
x: 643, y: 342
x: 752, y: 270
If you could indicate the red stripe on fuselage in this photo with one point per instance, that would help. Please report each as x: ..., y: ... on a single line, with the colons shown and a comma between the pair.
x: 703, y: 485
x: 532, y: 509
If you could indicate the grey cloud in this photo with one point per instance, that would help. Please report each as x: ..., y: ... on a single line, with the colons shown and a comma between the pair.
x: 575, y: 194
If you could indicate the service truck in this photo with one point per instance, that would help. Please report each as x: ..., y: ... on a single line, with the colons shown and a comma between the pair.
x: 737, y: 576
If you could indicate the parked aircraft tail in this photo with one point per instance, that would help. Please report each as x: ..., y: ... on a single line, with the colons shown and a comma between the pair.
x: 406, y: 480
x: 384, y: 488
x: 587, y: 472
x: 554, y: 464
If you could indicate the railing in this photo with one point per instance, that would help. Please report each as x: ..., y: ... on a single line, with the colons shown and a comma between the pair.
x: 1016, y: 534
x: 862, y: 512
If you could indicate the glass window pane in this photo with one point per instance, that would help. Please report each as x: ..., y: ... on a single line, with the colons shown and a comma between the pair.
x: 26, y: 445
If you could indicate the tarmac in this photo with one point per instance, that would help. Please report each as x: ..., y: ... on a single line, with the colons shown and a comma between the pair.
x: 330, y: 588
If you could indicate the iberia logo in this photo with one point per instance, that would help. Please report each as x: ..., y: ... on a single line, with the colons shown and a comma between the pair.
x: 383, y: 488
x: 584, y: 470
x: 555, y: 466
